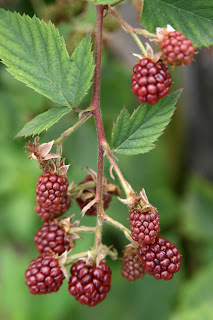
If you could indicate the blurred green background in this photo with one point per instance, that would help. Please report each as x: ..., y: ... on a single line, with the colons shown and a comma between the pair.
x: 183, y: 196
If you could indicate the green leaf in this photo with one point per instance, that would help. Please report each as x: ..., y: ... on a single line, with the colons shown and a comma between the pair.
x: 43, y: 121
x: 36, y: 55
x: 194, y: 18
x: 136, y: 134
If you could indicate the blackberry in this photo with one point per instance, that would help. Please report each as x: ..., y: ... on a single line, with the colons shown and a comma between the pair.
x: 44, y: 275
x: 131, y: 268
x: 160, y: 258
x: 144, y: 226
x: 83, y: 200
x: 89, y: 285
x: 53, y: 211
x: 177, y: 49
x: 151, y: 81
x: 52, y: 238
x: 51, y: 189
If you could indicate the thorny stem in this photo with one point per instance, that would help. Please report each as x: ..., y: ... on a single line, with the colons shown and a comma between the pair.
x: 69, y: 131
x: 100, y: 132
x: 102, y: 148
x: 119, y: 226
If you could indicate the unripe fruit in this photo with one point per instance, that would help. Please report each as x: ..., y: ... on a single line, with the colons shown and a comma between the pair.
x: 51, y: 189
x: 53, y: 211
x: 151, y: 81
x: 144, y: 226
x: 131, y: 269
x: 160, y: 258
x: 52, y: 238
x: 44, y: 275
x: 89, y: 285
x: 177, y: 49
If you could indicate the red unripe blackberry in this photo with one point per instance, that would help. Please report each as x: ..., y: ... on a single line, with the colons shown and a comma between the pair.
x: 44, y: 275
x: 82, y: 202
x: 177, y: 49
x: 144, y: 226
x: 131, y: 268
x: 51, y: 189
x: 52, y: 238
x: 89, y: 285
x: 151, y: 80
x: 53, y: 211
x: 160, y: 258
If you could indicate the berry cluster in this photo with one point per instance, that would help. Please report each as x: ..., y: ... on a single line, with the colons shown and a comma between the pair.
x: 44, y: 274
x: 88, y: 284
x: 148, y: 253
x: 151, y: 79
x: 158, y: 256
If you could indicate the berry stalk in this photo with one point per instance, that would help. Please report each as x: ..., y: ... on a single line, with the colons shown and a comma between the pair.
x: 75, y: 257
x: 130, y: 30
x: 119, y: 226
x: 126, y: 186
x: 82, y: 229
x: 69, y: 131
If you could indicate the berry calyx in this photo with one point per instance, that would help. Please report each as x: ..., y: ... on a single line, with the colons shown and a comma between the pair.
x: 160, y: 258
x: 53, y: 211
x: 52, y: 238
x: 89, y: 285
x: 89, y: 194
x: 44, y: 275
x: 151, y: 81
x: 144, y: 226
x: 131, y: 268
x: 177, y: 49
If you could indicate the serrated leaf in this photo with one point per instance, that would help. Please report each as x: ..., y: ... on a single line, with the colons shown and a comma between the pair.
x: 121, y: 127
x: 36, y: 55
x: 194, y: 18
x: 43, y: 121
x: 136, y: 134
